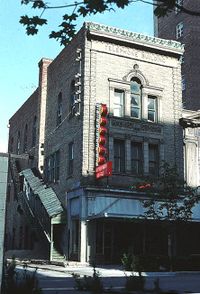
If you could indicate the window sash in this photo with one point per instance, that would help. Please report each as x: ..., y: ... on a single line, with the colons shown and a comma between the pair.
x: 118, y: 107
x: 119, y: 156
x: 137, y: 158
x: 153, y: 159
x: 179, y: 30
x: 136, y: 98
x: 152, y: 108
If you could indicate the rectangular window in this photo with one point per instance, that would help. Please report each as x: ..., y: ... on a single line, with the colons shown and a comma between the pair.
x: 153, y: 159
x: 57, y: 165
x: 179, y: 30
x: 118, y: 109
x: 119, y: 156
x: 183, y: 84
x: 137, y: 158
x: 71, y: 158
x: 52, y: 167
x: 152, y: 108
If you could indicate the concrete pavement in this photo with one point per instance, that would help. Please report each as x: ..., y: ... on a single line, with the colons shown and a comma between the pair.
x: 58, y: 279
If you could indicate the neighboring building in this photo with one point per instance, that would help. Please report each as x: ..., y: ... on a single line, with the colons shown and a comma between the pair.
x: 138, y: 78
x: 191, y: 126
x: 185, y: 28
x: 3, y: 189
x: 29, y: 225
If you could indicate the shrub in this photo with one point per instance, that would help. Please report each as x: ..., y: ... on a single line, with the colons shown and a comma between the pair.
x: 93, y: 284
x: 20, y: 282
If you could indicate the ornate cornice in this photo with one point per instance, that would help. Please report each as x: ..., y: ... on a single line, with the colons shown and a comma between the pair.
x: 137, y: 38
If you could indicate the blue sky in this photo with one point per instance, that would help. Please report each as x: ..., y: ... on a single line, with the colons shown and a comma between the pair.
x: 20, y: 54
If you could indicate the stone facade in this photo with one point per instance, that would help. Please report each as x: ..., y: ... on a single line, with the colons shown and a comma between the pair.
x: 105, y: 65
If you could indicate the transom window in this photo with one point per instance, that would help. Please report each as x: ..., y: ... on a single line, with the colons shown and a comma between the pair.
x: 136, y: 98
x: 118, y: 102
x: 152, y: 108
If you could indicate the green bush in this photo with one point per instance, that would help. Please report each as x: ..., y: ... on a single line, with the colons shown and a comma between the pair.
x: 87, y: 283
x: 16, y: 282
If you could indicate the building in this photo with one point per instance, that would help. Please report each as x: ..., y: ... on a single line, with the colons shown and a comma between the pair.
x: 138, y: 80
x: 3, y: 189
x: 191, y: 134
x: 185, y: 28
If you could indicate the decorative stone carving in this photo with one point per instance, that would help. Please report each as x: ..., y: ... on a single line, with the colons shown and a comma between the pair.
x: 134, y: 36
x: 138, y: 126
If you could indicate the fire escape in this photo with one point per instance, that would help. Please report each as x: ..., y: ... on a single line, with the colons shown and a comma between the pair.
x: 40, y: 206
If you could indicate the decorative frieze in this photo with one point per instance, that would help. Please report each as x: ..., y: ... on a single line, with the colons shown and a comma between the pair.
x: 137, y: 126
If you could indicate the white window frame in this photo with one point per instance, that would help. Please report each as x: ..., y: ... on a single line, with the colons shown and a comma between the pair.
x: 179, y: 30
x: 119, y: 106
x: 154, y: 110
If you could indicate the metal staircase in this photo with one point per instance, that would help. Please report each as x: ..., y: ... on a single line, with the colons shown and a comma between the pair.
x: 38, y: 203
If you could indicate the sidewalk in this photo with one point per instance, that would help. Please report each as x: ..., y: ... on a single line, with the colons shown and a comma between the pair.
x: 104, y: 270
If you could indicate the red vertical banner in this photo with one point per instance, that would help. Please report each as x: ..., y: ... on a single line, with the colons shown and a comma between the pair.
x: 103, y: 168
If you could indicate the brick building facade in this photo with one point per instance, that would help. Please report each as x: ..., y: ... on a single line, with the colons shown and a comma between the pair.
x: 139, y: 79
x: 185, y: 28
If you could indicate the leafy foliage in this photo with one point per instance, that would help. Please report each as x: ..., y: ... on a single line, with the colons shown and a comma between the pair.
x: 83, y: 8
x: 16, y: 282
x: 87, y: 283
x: 171, y: 199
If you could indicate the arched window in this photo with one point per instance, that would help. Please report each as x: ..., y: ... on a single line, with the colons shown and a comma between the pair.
x: 18, y: 142
x: 59, y: 109
x: 136, y: 97
x: 25, y: 138
x: 34, y: 129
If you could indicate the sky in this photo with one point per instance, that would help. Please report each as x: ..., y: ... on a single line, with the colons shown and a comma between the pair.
x: 20, y: 54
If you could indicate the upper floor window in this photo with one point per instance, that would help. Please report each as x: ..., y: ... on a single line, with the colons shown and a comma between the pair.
x: 71, y: 158
x: 136, y: 95
x: 119, y: 156
x: 34, y: 131
x: 118, y: 109
x: 183, y: 83
x: 182, y: 59
x: 52, y: 167
x: 72, y: 95
x: 18, y: 142
x: 179, y: 3
x: 59, y: 109
x: 137, y: 158
x: 153, y: 159
x: 152, y: 108
x: 179, y: 30
x: 25, y: 138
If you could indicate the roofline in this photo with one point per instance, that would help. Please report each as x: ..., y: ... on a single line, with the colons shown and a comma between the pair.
x: 105, y: 31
